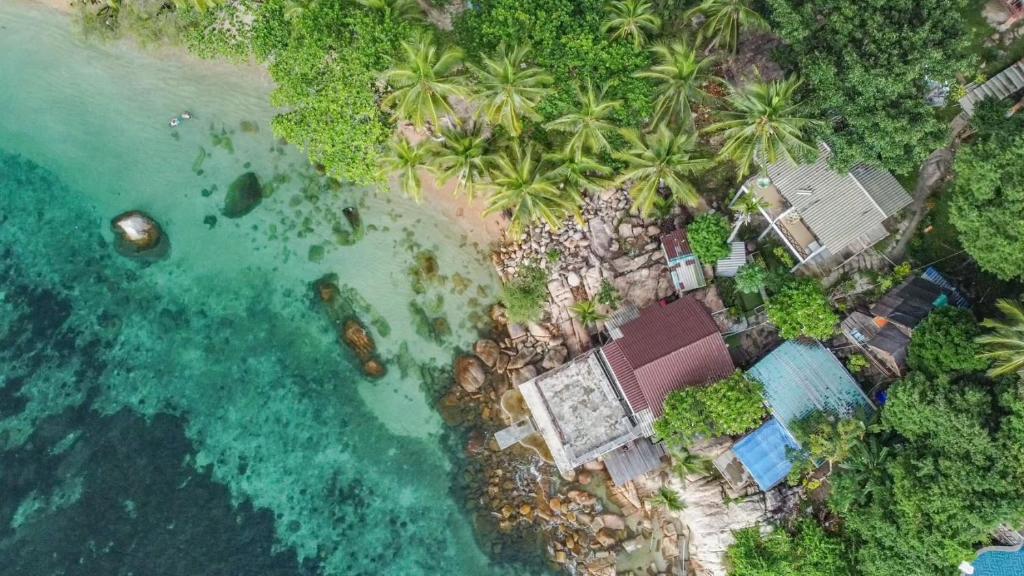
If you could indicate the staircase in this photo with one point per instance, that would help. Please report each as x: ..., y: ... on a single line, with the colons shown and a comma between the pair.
x: 999, y: 86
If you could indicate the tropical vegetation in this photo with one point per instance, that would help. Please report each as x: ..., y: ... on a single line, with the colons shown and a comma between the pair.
x: 800, y: 309
x: 731, y: 406
x: 708, y: 236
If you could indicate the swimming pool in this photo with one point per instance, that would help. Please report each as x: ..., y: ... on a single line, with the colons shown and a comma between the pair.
x: 1000, y: 561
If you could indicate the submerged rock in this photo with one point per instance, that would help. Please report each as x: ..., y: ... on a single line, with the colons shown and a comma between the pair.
x: 350, y: 330
x: 137, y: 235
x: 243, y: 196
x: 359, y: 340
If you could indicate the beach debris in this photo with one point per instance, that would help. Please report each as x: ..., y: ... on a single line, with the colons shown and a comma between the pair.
x: 243, y: 196
x: 139, y: 236
x: 173, y: 122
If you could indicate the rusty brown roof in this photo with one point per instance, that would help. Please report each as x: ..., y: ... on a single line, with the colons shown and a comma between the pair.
x: 676, y: 244
x: 669, y: 346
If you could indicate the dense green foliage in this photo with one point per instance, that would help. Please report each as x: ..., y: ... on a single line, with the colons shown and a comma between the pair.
x: 987, y: 206
x: 708, y: 235
x: 800, y: 309
x: 661, y: 160
x: 525, y: 295
x: 865, y: 64
x: 944, y: 469
x: 728, y: 407
x: 751, y: 277
x: 568, y: 42
x: 807, y: 551
x: 943, y: 344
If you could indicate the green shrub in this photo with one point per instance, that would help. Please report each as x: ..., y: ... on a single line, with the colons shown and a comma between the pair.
x: 524, y: 297
x: 943, y: 344
x: 808, y: 551
x: 708, y: 235
x: 730, y: 407
x: 857, y: 363
x: 751, y: 277
x: 800, y: 309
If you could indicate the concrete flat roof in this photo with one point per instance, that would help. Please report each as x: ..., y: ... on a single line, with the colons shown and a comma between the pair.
x: 577, y: 412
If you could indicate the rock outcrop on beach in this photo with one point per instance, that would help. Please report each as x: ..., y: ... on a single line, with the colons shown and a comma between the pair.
x: 137, y: 235
x: 351, y: 331
x: 243, y: 196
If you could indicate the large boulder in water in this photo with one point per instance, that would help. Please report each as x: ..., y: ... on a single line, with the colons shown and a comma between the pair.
x: 137, y: 235
x: 243, y: 196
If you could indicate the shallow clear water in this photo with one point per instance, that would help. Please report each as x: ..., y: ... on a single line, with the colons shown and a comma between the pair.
x: 198, y: 415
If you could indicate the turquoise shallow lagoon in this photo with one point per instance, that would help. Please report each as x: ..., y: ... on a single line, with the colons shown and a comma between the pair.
x: 198, y: 415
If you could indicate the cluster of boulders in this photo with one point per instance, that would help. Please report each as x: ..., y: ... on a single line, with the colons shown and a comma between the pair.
x: 522, y: 354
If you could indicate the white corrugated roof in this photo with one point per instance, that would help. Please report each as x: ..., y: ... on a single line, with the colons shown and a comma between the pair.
x: 838, y: 208
x: 737, y: 258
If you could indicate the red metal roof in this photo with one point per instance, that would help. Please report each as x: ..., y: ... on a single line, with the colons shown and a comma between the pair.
x: 668, y: 347
x: 676, y: 244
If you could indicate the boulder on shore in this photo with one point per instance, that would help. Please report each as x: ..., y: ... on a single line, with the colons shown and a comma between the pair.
x: 137, y: 235
x: 243, y: 196
x: 487, y: 351
x: 469, y: 373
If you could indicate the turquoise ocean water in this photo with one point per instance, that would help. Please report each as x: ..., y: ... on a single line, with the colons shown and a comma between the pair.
x: 197, y: 416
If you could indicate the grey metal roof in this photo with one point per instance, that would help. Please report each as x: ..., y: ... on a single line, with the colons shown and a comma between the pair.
x: 737, y: 258
x: 838, y: 208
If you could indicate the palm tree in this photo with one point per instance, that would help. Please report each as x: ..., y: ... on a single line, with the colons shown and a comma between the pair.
x: 510, y: 88
x: 724, y: 20
x: 667, y: 498
x: 764, y: 125
x: 578, y: 172
x: 587, y: 312
x: 525, y: 187
x: 681, y: 77
x: 424, y: 81
x: 401, y: 9
x: 661, y: 159
x: 407, y: 160
x: 686, y: 463
x: 1006, y: 341
x: 632, y: 19
x: 589, y: 125
x: 462, y: 155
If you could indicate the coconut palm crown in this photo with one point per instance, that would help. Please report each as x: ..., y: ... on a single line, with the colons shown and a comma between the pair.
x: 579, y: 172
x: 524, y: 186
x: 510, y: 88
x: 406, y: 159
x: 681, y: 77
x: 764, y: 126
x: 424, y: 81
x: 661, y: 159
x: 590, y: 124
x: 724, y: 20
x: 631, y: 20
x: 1005, y: 342
x: 462, y: 156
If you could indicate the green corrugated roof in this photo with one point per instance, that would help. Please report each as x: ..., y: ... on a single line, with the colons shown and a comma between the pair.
x: 802, y: 378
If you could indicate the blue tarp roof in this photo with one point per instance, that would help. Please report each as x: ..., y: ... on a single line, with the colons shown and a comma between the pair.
x: 802, y: 378
x: 763, y: 453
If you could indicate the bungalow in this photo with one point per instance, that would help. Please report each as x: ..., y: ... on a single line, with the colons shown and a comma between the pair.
x: 684, y: 268
x: 822, y: 216
x: 884, y: 331
x: 603, y: 404
x: 798, y: 379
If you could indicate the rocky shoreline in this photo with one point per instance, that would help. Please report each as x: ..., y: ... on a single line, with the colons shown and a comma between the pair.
x: 585, y: 523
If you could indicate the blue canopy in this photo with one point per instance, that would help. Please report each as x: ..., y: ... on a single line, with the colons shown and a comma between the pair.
x: 763, y: 453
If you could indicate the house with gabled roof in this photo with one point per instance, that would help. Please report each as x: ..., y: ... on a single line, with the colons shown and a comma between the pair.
x: 603, y: 404
x: 821, y: 215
